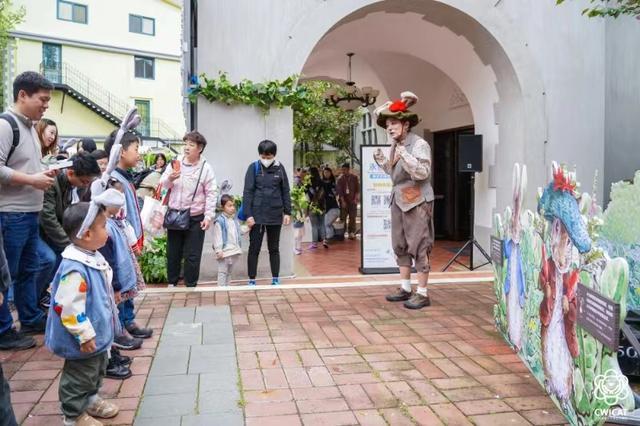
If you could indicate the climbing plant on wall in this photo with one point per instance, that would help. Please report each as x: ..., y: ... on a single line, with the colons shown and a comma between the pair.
x: 267, y: 95
x: 613, y: 8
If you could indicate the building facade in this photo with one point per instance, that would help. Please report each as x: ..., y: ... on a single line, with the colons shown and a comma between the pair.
x: 539, y: 82
x: 103, y: 58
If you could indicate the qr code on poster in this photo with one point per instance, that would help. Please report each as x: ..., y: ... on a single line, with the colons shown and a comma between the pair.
x: 387, y: 200
x: 386, y: 224
x: 376, y: 200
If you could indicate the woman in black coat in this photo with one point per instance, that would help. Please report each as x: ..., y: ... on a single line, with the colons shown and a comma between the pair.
x: 267, y: 205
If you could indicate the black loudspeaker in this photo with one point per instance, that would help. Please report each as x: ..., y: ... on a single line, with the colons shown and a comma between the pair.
x: 470, y: 153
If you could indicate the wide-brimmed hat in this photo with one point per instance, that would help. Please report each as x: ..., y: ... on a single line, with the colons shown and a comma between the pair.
x: 398, y: 109
x: 559, y: 201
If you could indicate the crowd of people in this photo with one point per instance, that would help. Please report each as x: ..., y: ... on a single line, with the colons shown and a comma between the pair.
x: 71, y: 234
x: 333, y: 205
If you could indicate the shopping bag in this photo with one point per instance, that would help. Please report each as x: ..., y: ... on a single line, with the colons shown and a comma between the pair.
x: 152, y: 216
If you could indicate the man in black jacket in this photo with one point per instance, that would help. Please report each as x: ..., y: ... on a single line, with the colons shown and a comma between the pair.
x: 61, y: 195
x: 6, y: 411
x: 267, y: 205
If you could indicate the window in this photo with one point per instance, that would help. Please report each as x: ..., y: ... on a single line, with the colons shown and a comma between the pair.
x: 73, y: 12
x: 142, y: 25
x: 368, y: 130
x: 52, y: 62
x: 144, y: 110
x: 145, y: 67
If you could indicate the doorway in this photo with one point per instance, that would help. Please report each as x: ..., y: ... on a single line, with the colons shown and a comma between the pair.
x: 52, y: 62
x: 144, y: 110
x: 451, y: 188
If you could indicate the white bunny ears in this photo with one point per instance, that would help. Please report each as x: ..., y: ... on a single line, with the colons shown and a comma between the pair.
x: 100, y: 195
x: 225, y: 188
x: 409, y: 98
x: 519, y: 185
x: 109, y: 198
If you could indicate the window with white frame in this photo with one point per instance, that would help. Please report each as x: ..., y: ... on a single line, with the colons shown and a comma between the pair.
x: 142, y: 25
x: 368, y: 130
x: 73, y: 12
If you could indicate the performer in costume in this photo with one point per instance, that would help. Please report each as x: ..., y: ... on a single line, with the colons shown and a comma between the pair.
x: 409, y: 166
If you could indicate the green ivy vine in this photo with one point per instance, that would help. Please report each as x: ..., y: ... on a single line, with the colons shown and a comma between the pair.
x: 270, y: 94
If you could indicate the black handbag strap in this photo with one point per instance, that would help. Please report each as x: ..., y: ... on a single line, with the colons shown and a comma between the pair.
x: 204, y: 162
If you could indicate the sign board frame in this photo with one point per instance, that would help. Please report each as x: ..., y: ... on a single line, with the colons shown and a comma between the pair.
x: 369, y: 219
x: 599, y: 316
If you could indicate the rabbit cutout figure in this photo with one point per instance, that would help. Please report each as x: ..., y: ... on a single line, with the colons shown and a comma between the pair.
x: 514, y: 287
x: 558, y: 281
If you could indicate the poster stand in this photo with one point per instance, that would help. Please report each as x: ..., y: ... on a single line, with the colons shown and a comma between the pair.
x: 376, y: 254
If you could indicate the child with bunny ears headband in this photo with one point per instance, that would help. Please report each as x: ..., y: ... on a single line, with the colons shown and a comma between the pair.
x: 82, y: 321
x: 122, y: 146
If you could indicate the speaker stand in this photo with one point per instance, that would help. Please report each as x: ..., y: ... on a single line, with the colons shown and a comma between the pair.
x: 471, y: 242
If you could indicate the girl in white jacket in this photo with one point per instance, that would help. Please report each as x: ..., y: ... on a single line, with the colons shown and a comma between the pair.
x: 227, y: 233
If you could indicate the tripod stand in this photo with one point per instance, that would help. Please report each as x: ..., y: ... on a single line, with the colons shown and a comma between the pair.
x: 471, y: 242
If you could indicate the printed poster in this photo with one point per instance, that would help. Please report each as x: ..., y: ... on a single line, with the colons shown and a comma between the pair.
x: 377, y: 252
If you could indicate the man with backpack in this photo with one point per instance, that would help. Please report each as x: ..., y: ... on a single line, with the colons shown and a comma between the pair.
x: 22, y: 186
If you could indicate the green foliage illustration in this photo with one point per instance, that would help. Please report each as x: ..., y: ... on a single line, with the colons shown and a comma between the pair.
x: 620, y: 232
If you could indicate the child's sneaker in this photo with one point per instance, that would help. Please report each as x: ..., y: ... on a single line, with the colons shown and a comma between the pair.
x: 252, y: 282
x: 297, y: 252
x: 313, y: 246
x: 275, y: 281
x: 102, y: 409
x: 83, y: 420
x: 127, y: 343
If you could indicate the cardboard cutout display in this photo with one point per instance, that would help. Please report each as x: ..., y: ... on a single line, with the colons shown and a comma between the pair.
x: 551, y: 260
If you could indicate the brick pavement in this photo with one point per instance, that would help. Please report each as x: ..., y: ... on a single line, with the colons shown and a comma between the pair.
x: 336, y: 356
x: 343, y: 258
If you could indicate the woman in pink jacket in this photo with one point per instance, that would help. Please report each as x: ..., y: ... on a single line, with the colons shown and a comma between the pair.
x: 193, y: 187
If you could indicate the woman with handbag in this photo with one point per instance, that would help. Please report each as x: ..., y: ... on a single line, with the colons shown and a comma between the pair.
x: 192, y: 202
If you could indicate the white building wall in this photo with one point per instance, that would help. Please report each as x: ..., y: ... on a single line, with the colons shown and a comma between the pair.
x: 103, y: 50
x: 107, y: 24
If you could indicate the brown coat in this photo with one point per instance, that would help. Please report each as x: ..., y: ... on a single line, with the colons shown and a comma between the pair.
x: 547, y: 281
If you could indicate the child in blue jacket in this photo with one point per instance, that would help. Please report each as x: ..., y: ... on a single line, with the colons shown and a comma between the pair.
x: 83, y: 317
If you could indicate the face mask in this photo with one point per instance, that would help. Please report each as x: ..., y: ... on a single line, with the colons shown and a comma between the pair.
x: 267, y: 163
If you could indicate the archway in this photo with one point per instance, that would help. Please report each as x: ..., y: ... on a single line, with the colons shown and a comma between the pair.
x: 396, y: 41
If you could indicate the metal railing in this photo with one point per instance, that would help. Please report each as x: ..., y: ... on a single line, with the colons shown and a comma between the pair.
x: 96, y: 93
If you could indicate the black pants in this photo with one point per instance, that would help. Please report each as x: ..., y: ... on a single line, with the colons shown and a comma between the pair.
x: 7, y: 418
x: 255, y: 244
x: 350, y: 211
x: 185, y: 245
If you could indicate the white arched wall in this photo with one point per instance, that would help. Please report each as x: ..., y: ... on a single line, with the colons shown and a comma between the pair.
x: 374, y: 34
x: 484, y: 71
x: 495, y: 41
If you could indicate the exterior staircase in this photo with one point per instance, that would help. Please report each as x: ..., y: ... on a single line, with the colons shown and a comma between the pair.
x: 93, y: 96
